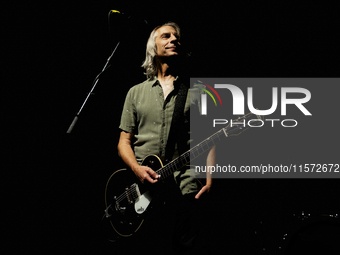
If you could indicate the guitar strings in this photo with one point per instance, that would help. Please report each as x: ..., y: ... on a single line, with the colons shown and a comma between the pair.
x: 130, y: 191
x: 168, y: 169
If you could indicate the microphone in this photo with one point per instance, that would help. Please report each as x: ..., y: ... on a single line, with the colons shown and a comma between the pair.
x: 116, y: 12
x: 121, y: 24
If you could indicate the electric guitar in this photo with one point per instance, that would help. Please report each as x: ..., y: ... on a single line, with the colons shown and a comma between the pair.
x: 126, y: 203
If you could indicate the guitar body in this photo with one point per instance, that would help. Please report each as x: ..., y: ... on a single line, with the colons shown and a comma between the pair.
x: 127, y: 202
x: 126, y: 211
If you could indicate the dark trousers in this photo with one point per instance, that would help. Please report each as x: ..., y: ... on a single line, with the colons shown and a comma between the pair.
x: 186, y: 225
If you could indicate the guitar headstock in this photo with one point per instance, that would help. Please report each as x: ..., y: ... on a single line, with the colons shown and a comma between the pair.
x: 241, y: 124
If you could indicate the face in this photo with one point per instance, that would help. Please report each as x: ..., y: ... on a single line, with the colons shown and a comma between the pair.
x: 167, y: 42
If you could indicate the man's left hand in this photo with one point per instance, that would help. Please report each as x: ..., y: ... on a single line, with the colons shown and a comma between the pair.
x: 205, y: 188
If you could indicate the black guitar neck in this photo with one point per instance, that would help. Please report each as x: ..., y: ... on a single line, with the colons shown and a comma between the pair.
x: 207, y: 144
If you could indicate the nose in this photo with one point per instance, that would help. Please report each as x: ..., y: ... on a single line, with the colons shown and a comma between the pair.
x: 173, y: 38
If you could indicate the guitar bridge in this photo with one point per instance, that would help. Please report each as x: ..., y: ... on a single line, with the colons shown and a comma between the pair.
x: 119, y: 208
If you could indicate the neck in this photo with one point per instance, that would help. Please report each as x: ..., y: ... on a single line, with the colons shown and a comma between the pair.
x: 166, y: 70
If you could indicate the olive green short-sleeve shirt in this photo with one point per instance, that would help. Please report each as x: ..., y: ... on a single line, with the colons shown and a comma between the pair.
x: 148, y: 116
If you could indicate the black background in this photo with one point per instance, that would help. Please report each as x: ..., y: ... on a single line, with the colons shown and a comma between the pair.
x: 54, y: 182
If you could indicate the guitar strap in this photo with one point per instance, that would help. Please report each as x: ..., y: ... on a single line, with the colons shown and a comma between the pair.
x: 177, y: 118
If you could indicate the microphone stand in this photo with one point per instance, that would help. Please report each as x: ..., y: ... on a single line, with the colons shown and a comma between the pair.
x: 91, y: 92
x: 123, y: 30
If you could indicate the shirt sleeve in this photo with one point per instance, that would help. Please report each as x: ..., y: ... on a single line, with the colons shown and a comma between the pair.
x: 128, y: 118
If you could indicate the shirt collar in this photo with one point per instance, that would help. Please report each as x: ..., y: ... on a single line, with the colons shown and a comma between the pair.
x: 155, y: 81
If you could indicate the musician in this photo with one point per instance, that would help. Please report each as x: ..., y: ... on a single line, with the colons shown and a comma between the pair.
x: 147, y: 115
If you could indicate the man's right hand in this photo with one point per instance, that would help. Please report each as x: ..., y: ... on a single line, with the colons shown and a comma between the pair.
x: 126, y: 153
x: 145, y: 173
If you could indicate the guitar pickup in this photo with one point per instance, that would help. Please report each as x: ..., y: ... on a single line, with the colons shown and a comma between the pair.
x: 132, y: 193
x: 128, y: 195
x: 137, y: 190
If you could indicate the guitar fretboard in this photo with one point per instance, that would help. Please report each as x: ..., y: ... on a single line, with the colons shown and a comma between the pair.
x: 208, y: 143
x: 191, y: 154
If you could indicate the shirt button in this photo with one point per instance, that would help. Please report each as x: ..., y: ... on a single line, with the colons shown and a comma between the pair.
x: 162, y: 141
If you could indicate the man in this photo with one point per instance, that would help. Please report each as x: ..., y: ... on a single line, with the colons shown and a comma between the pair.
x: 148, y: 111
